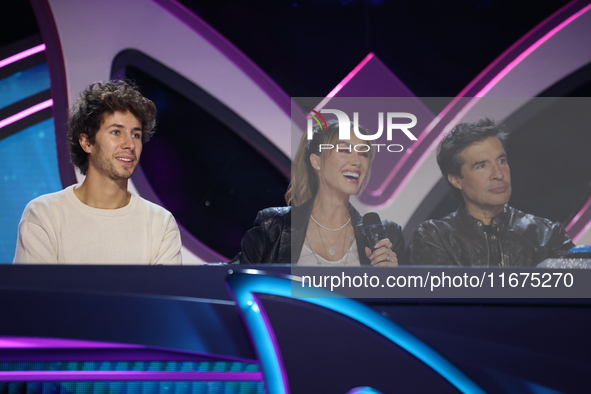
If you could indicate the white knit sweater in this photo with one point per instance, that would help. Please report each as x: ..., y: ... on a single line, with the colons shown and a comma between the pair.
x: 58, y: 228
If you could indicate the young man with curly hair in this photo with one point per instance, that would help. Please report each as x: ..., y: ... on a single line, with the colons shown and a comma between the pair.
x: 100, y: 221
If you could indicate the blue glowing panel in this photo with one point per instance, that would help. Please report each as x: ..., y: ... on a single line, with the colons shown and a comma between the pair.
x: 23, y: 84
x: 28, y: 169
x: 244, y: 287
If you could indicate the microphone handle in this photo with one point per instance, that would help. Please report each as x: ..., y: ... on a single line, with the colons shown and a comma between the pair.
x: 375, y: 235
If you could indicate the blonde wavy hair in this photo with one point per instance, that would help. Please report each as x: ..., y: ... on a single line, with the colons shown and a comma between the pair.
x: 304, y: 179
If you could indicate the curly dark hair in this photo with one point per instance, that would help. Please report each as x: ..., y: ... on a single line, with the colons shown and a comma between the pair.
x: 462, y: 136
x: 106, y: 98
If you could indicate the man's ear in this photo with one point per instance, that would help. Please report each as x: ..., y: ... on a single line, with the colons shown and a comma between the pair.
x: 84, y: 142
x: 455, y: 181
x: 315, y: 161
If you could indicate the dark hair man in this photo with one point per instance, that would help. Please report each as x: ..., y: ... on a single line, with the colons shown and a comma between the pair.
x: 484, y: 231
x: 100, y: 221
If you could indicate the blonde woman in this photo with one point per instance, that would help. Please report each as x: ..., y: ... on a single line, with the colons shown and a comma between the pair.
x: 319, y: 227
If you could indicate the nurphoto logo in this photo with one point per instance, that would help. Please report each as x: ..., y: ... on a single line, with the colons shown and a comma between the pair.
x: 395, y: 122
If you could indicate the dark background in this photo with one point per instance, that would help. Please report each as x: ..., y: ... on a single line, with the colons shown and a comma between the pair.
x: 436, y: 47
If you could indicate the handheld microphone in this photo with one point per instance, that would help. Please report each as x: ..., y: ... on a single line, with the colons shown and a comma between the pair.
x: 373, y: 228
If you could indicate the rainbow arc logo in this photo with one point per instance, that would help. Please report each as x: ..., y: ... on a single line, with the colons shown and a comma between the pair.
x: 318, y: 118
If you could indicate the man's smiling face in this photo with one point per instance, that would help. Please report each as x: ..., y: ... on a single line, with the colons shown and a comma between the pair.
x: 117, y: 147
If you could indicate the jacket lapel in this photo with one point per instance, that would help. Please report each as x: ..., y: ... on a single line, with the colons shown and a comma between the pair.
x: 299, y: 225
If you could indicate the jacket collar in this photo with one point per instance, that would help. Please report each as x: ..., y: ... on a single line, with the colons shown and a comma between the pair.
x: 498, y: 222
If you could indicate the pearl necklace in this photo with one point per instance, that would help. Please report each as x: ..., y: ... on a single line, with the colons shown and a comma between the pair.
x: 330, y: 229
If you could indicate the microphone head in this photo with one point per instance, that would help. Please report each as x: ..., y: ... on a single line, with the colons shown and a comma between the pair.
x: 371, y: 219
x: 373, y: 228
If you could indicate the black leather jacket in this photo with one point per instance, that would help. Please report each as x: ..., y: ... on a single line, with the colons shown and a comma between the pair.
x: 269, y: 242
x: 513, y: 239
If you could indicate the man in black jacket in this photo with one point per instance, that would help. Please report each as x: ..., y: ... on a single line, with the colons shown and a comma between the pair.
x: 484, y: 231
